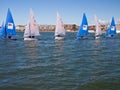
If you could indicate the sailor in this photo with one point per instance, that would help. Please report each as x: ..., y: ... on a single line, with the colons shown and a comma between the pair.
x: 58, y: 35
x: 112, y: 35
x: 33, y: 36
x: 82, y: 36
x: 9, y: 37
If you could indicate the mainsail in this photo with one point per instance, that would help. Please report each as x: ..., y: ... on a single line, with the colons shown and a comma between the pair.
x: 60, y: 30
x: 111, y: 29
x: 83, y: 30
x: 31, y: 28
x: 9, y: 25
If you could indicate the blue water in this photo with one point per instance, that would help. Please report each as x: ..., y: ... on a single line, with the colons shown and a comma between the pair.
x: 69, y: 64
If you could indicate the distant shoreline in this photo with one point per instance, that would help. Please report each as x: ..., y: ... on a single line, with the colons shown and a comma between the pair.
x: 66, y: 31
x: 90, y: 31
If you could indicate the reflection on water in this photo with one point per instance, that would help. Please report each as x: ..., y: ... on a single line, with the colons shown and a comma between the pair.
x: 29, y: 55
x: 59, y: 45
x: 59, y: 51
x: 97, y: 46
x: 31, y: 49
x: 97, y: 42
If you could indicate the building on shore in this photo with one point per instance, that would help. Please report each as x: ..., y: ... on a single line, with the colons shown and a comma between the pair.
x: 20, y: 28
x: 118, y: 28
x: 46, y: 27
x: 68, y: 28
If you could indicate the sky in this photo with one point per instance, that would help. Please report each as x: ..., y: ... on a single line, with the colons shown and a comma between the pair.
x: 71, y: 11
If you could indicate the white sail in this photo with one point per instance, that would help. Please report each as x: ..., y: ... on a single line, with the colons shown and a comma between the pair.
x: 33, y: 24
x: 59, y: 26
x: 27, y: 30
x: 98, y: 27
x: 32, y: 28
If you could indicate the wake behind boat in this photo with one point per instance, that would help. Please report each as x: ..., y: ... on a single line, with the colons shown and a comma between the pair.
x: 31, y: 29
x: 111, y: 31
x: 83, y: 30
x: 59, y: 30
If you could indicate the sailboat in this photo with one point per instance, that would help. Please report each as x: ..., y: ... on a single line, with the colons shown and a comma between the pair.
x: 59, y: 30
x: 111, y: 31
x: 83, y: 30
x: 31, y: 29
x: 8, y: 30
x: 98, y: 31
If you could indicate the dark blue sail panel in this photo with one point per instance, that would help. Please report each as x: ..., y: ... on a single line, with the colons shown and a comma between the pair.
x: 112, y: 28
x: 83, y: 30
x: 113, y: 22
x: 2, y: 30
x: 84, y: 20
x: 9, y: 25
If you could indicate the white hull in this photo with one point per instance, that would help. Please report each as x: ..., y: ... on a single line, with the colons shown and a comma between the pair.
x: 59, y: 38
x: 118, y: 31
x: 29, y: 39
x: 97, y: 37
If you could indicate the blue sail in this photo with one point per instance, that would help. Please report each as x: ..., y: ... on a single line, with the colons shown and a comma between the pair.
x: 111, y: 31
x: 9, y: 25
x: 83, y: 30
x: 2, y: 30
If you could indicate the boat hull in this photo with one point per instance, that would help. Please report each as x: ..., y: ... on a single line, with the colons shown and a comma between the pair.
x: 59, y: 38
x: 97, y: 37
x: 29, y: 39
